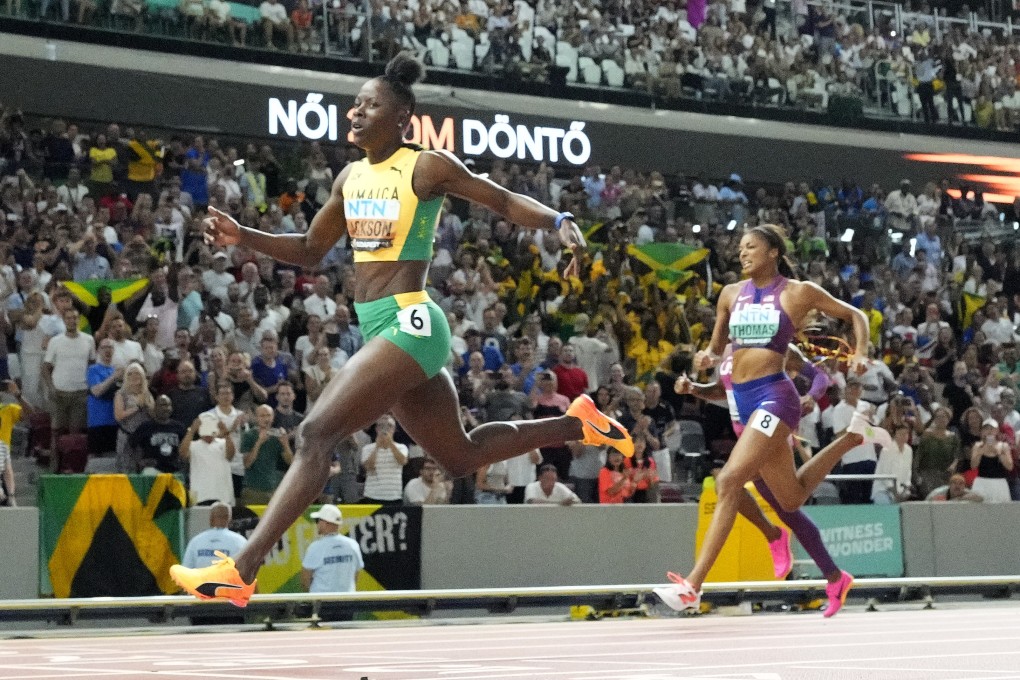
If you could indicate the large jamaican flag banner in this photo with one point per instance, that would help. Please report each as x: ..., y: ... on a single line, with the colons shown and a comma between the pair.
x: 110, y: 535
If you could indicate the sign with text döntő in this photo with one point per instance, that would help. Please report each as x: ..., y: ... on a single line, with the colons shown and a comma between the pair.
x: 390, y: 540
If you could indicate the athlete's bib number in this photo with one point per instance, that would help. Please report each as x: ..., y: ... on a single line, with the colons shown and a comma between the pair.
x: 764, y: 422
x: 415, y: 320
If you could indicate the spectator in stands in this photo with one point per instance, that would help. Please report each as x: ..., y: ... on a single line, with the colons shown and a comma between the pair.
x: 158, y: 439
x: 642, y: 471
x: 234, y: 420
x: 332, y: 562
x: 267, y: 453
x: 274, y: 20
x: 131, y: 10
x: 383, y: 461
x: 547, y: 490
x: 208, y: 459
x: 430, y: 487
x: 860, y: 460
x: 317, y: 375
x: 125, y: 350
x: 33, y: 330
x: 8, y: 486
x: 896, y: 461
x: 65, y: 366
x: 189, y: 399
x: 615, y: 485
x: 132, y: 406
x: 992, y: 459
x: 571, y: 380
x: 955, y: 491
x: 103, y: 378
x: 201, y: 550
x: 269, y: 369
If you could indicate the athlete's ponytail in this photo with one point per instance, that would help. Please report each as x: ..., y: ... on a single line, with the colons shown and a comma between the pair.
x: 775, y: 237
x: 402, y: 72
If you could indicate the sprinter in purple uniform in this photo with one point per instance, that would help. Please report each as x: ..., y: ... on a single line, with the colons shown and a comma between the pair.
x: 759, y: 317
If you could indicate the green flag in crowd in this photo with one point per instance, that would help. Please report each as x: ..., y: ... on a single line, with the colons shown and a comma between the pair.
x: 120, y: 289
x: 669, y: 261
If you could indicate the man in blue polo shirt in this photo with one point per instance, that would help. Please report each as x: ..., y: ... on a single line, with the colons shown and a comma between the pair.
x: 202, y: 549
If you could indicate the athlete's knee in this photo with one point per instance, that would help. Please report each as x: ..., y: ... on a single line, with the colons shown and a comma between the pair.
x: 729, y: 486
x: 791, y: 504
x: 316, y: 438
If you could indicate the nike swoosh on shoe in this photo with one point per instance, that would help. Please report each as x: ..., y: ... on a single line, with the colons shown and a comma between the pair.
x: 210, y: 589
x: 612, y: 432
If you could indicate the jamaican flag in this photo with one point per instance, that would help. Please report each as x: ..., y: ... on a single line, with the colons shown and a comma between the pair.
x: 120, y: 289
x: 110, y: 535
x: 668, y: 261
x: 970, y: 303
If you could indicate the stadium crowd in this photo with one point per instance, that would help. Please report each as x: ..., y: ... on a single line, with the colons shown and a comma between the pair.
x: 803, y: 54
x: 121, y: 323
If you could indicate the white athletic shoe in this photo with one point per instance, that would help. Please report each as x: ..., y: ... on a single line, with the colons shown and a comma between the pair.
x: 680, y: 596
x: 859, y: 424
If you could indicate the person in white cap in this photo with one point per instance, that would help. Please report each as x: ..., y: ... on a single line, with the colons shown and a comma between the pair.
x: 992, y: 459
x: 209, y: 460
x: 332, y: 561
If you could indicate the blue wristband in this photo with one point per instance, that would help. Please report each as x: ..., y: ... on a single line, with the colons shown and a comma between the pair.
x: 562, y: 216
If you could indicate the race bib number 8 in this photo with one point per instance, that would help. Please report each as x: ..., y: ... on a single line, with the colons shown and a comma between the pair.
x: 415, y: 320
x: 764, y: 422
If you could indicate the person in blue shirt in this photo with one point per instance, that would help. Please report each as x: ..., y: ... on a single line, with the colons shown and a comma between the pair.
x: 103, y: 380
x: 332, y: 561
x: 493, y: 357
x: 201, y: 550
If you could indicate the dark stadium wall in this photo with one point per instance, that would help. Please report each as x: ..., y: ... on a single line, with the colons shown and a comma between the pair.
x: 89, y: 92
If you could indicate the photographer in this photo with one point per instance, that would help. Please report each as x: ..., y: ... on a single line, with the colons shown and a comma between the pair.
x: 266, y: 450
x: 383, y: 462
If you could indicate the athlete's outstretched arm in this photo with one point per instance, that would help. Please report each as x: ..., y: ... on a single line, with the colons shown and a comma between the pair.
x: 440, y: 172
x: 307, y: 249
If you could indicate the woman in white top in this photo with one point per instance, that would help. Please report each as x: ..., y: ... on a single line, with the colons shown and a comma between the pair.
x: 897, y: 460
x: 317, y: 375
x: 33, y: 347
x: 132, y: 405
x: 304, y: 346
x: 993, y: 461
x: 492, y: 484
x: 321, y: 174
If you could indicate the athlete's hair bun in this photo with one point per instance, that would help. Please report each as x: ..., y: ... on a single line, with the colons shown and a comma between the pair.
x: 405, y: 68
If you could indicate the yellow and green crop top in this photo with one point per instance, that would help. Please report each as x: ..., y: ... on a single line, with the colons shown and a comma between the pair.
x: 385, y: 220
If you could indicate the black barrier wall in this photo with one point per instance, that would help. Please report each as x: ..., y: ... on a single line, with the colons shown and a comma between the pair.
x: 759, y: 151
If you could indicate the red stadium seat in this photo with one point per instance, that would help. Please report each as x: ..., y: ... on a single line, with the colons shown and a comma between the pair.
x: 73, y: 452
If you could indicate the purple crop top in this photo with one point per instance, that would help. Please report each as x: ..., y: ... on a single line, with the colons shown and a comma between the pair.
x: 758, y: 320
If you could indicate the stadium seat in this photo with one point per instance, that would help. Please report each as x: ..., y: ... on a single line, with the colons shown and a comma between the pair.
x: 39, y: 426
x: 591, y: 72
x: 613, y: 72
x: 72, y: 452
x: 566, y: 56
x: 482, y: 47
x: 438, y: 53
x: 463, y: 52
x: 526, y: 43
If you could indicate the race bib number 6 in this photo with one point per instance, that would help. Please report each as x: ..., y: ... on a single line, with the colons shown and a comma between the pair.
x: 764, y: 422
x: 415, y: 320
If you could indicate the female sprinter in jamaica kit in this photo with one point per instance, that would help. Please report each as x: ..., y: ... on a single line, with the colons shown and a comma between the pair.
x: 389, y: 204
x: 759, y: 316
